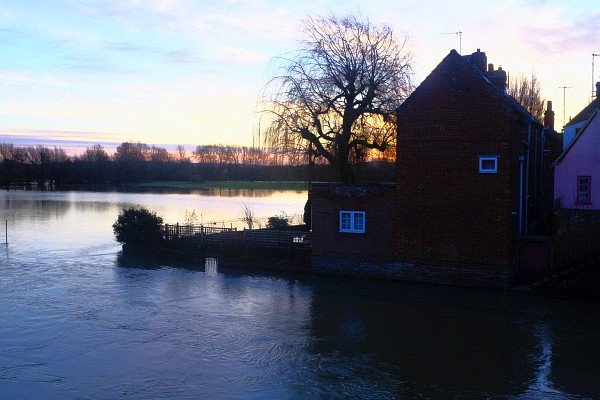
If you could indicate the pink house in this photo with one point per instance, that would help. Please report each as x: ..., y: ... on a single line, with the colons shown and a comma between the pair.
x: 577, y: 169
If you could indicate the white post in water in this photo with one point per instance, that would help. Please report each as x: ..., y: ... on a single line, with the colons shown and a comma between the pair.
x: 211, y: 266
x: 6, y: 231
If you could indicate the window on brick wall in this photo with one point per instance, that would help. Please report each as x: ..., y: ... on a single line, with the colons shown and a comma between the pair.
x: 584, y: 186
x: 352, y: 221
x: 488, y: 164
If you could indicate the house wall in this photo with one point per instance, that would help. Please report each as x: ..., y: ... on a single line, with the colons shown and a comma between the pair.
x: 449, y: 214
x: 372, y: 254
x: 375, y: 244
x: 582, y: 159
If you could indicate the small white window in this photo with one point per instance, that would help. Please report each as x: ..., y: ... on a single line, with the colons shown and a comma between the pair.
x: 352, y: 221
x: 488, y: 164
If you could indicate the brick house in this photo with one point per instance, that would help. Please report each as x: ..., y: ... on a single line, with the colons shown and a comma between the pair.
x: 472, y: 175
x: 472, y: 188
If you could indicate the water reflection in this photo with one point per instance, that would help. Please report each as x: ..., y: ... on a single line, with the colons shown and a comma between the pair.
x: 212, y: 192
x: 80, y: 320
x: 469, y: 344
x: 211, y: 209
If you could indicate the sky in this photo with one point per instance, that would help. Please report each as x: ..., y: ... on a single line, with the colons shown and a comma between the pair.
x: 75, y: 73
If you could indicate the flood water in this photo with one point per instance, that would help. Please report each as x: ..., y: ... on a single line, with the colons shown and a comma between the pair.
x: 80, y: 321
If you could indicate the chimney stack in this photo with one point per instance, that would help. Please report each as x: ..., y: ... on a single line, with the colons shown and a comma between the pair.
x: 549, y: 117
x: 497, y: 77
x: 479, y: 59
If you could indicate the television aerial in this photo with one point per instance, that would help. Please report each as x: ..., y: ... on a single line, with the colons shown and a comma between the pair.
x: 459, y: 33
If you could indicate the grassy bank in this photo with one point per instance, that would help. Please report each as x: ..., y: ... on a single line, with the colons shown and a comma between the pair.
x: 298, y: 186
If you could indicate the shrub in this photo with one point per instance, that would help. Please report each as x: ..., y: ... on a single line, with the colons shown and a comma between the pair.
x: 278, y: 222
x: 307, y: 217
x: 138, y: 226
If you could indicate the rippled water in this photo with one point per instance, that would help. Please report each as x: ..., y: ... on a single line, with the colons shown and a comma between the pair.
x: 79, y: 321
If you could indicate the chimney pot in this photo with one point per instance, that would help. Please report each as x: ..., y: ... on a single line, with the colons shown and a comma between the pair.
x: 597, y: 88
x: 490, y: 67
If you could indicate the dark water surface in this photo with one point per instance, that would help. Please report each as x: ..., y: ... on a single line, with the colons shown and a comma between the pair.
x: 79, y: 321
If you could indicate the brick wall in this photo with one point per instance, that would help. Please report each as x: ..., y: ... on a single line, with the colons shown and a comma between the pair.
x: 447, y: 212
x: 378, y: 203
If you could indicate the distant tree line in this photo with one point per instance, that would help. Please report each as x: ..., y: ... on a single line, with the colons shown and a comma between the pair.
x: 139, y: 162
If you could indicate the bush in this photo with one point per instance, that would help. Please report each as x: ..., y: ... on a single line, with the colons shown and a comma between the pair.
x: 278, y: 222
x: 307, y: 217
x: 138, y: 226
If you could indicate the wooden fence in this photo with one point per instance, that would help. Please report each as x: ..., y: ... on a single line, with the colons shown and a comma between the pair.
x: 174, y: 232
x: 269, y: 238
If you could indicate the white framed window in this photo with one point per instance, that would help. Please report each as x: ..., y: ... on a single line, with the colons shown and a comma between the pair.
x: 488, y: 164
x: 352, y: 221
x: 584, y: 186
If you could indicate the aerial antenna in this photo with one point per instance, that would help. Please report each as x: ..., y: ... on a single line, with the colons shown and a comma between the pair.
x: 593, y: 83
x: 564, y: 88
x: 459, y: 33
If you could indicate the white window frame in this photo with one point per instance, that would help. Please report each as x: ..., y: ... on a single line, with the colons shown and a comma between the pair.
x: 584, y: 196
x: 350, y: 224
x: 483, y: 170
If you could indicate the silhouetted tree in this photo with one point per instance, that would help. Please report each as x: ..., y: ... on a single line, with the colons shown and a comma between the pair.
x: 181, y: 155
x: 527, y: 92
x: 130, y: 158
x: 159, y: 154
x: 96, y: 153
x: 128, y: 151
x: 339, y: 91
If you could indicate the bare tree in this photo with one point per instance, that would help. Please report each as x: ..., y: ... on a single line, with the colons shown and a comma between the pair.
x: 159, y: 154
x: 527, y: 92
x: 338, y: 93
x: 205, y: 154
x: 181, y: 155
x: 248, y: 216
x: 94, y: 154
x: 131, y: 152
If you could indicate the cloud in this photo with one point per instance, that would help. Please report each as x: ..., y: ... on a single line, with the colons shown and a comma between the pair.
x: 245, y: 20
x: 146, y: 14
x: 8, y: 76
x: 563, y: 38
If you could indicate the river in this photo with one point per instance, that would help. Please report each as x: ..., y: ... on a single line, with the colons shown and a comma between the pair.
x: 80, y: 321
